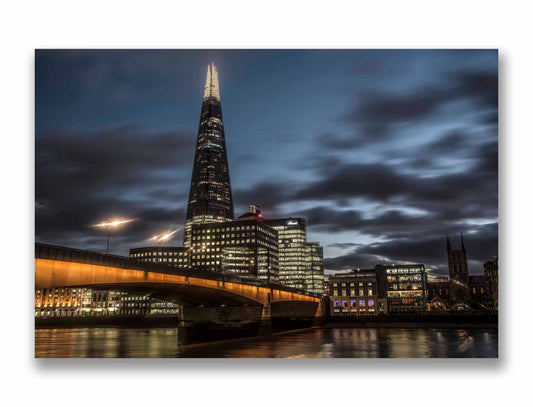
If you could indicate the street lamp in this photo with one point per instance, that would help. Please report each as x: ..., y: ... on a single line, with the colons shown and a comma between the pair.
x: 163, y: 237
x: 112, y: 224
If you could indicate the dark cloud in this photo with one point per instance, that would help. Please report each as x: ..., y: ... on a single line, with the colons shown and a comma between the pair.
x: 430, y: 250
x: 378, y: 115
x: 266, y: 194
x: 452, y: 142
x: 387, y: 184
x: 83, y: 178
x: 343, y: 245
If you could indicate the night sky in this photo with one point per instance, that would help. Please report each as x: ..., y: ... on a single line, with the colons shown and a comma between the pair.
x: 384, y: 152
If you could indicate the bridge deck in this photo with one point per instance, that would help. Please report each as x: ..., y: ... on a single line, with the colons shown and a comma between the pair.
x: 66, y: 254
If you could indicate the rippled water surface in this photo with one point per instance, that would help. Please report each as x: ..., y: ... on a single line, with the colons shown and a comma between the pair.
x: 313, y: 343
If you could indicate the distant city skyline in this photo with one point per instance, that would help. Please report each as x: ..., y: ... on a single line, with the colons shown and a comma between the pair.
x: 383, y: 152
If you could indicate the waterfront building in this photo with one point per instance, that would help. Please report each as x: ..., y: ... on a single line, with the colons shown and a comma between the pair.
x: 326, y: 285
x: 314, y: 281
x: 59, y: 302
x: 210, y: 197
x: 78, y: 302
x: 458, y: 271
x: 174, y: 256
x: 479, y: 299
x: 134, y: 304
x: 301, y: 263
x: 405, y: 286
x: 439, y: 294
x: 355, y: 294
x: 244, y: 246
x: 490, y: 269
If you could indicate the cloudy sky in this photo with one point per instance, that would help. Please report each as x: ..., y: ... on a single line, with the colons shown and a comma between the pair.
x: 384, y: 152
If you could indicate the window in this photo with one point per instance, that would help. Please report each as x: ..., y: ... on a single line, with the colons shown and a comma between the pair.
x: 361, y: 303
x: 336, y: 304
x: 370, y: 303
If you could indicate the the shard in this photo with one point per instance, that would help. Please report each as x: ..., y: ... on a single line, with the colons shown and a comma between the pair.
x: 210, y: 198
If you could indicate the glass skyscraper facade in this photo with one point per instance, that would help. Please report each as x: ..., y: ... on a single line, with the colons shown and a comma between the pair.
x: 210, y: 198
x: 301, y: 263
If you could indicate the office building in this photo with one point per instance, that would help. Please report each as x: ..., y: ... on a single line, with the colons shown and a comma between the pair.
x: 355, y: 294
x: 301, y: 263
x: 244, y: 246
x: 82, y: 302
x: 59, y: 302
x: 174, y: 256
x: 405, y: 286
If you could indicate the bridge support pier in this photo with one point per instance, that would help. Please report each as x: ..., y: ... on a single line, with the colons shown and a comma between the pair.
x: 265, y: 325
x: 321, y: 314
x: 204, y: 324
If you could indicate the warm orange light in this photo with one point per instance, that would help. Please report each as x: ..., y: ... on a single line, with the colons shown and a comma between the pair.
x: 163, y: 237
x: 113, y: 223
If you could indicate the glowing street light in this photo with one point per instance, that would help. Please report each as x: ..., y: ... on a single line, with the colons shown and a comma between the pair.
x: 111, y: 224
x: 163, y: 237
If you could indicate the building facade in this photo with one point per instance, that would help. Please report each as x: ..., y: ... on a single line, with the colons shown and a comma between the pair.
x: 59, y: 302
x: 174, y: 256
x: 490, y: 269
x: 244, y: 246
x: 405, y: 286
x: 439, y: 295
x: 210, y: 197
x: 301, y: 263
x: 355, y: 294
x: 80, y: 302
x: 314, y: 281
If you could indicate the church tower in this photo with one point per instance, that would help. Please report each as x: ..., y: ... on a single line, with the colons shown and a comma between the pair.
x: 458, y: 270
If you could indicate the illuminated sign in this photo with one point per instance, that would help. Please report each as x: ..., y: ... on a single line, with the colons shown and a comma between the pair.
x: 292, y: 222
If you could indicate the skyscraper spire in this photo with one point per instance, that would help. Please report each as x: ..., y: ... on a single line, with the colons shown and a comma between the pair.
x: 210, y: 198
x: 211, y: 88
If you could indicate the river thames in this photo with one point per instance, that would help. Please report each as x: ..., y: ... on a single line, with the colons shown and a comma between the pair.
x: 323, y: 342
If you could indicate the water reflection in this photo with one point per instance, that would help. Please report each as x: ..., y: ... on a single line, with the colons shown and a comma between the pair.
x: 315, y: 343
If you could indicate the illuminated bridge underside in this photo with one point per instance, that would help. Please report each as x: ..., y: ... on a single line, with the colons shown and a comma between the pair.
x: 184, y: 290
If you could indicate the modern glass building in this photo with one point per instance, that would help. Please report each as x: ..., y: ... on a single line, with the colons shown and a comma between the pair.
x: 301, y: 263
x: 174, y: 256
x: 210, y: 198
x: 405, y: 286
x: 243, y: 246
